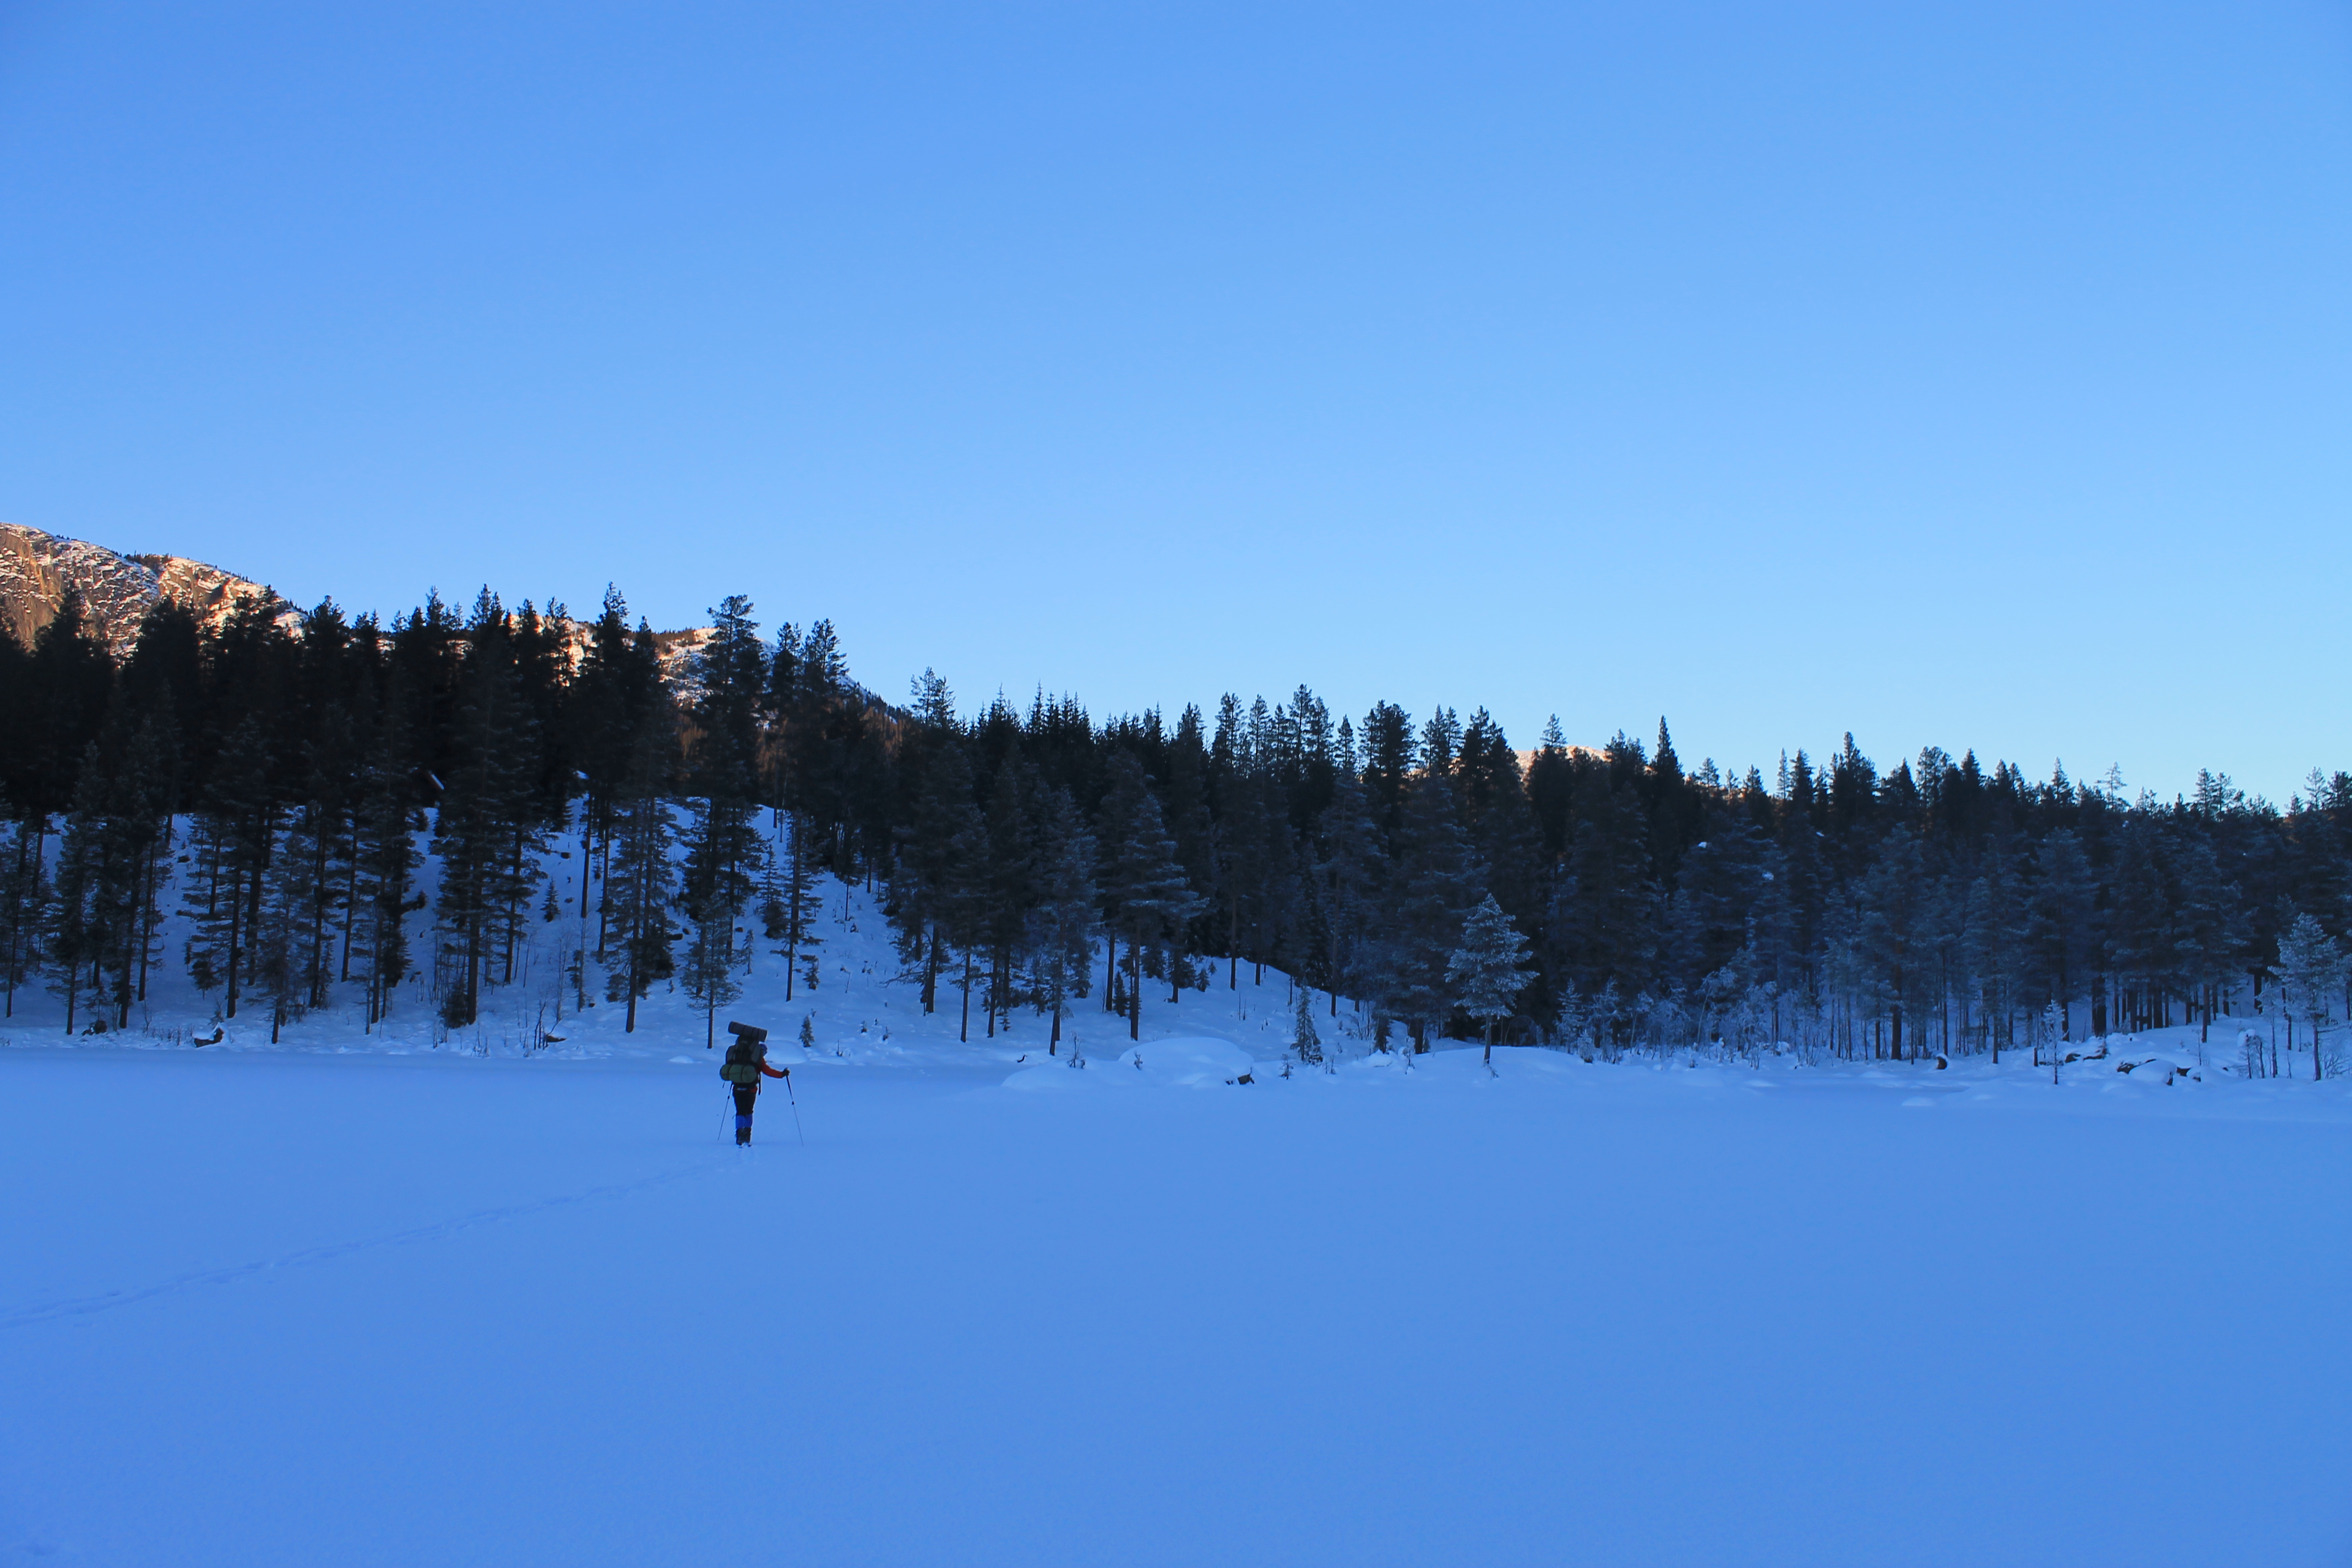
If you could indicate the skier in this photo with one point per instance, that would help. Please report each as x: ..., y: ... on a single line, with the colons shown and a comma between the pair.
x: 747, y: 1063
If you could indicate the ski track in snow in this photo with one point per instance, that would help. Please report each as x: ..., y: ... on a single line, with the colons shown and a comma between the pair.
x: 311, y: 1257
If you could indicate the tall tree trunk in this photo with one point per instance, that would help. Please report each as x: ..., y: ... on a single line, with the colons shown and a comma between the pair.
x: 933, y: 958
x: 963, y: 1032
x: 318, y: 976
x: 587, y: 855
x: 17, y: 919
x: 235, y: 933
x: 151, y: 894
x: 351, y: 892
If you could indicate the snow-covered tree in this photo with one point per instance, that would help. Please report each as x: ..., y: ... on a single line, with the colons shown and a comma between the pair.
x: 2310, y: 972
x: 1310, y: 1044
x: 1483, y: 972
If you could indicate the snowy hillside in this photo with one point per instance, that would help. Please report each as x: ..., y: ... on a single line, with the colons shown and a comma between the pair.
x: 397, y: 1297
x: 863, y: 1008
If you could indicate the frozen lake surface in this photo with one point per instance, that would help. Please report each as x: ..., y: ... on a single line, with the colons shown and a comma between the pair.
x: 319, y: 1306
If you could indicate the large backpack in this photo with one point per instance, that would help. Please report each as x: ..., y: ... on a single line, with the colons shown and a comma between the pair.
x: 742, y: 1064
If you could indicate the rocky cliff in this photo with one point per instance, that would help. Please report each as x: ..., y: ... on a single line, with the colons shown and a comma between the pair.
x: 36, y: 568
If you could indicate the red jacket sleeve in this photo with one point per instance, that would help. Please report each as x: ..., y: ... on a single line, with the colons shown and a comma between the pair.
x: 771, y: 1072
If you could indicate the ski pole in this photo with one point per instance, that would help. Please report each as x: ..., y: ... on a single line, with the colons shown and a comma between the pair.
x: 794, y: 1100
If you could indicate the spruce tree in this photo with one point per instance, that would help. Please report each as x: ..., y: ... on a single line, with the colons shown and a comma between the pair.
x: 1146, y: 899
x: 1302, y: 1038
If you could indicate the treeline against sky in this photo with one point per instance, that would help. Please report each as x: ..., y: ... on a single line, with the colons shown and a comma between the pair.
x: 299, y: 771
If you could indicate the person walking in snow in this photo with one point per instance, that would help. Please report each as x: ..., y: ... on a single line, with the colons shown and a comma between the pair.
x: 746, y: 1065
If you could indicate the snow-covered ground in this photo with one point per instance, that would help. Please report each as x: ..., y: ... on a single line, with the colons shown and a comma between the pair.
x: 365, y: 1300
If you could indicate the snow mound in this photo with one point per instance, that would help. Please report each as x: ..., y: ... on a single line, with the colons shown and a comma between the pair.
x: 1199, y: 1062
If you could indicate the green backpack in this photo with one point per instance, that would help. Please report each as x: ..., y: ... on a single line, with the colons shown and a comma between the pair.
x: 742, y: 1065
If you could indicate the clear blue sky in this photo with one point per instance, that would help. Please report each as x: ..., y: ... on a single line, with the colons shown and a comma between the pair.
x: 1978, y: 375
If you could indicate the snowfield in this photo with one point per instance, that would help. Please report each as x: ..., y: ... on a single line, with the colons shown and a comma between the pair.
x: 369, y: 1298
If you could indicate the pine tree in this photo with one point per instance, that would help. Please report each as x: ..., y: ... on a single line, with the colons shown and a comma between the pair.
x: 489, y: 831
x: 715, y: 891
x: 640, y: 880
x: 386, y: 856
x: 2063, y: 926
x: 76, y: 934
x: 1006, y: 892
x: 235, y: 835
x: 788, y: 903
x: 1436, y: 887
x: 135, y: 801
x: 1996, y: 954
x: 601, y: 724
x: 24, y: 904
x: 1605, y: 912
x: 148, y: 788
x: 941, y: 827
x: 1244, y: 842
x: 1349, y: 877
x: 1485, y: 972
x: 67, y: 685
x: 280, y: 972
x: 724, y: 853
x: 102, y: 920
x: 1063, y: 923
x: 1892, y: 906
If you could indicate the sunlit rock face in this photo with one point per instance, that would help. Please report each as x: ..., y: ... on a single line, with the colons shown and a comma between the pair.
x: 36, y: 568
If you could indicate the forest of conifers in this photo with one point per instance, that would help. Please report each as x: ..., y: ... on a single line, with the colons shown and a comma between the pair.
x: 300, y: 787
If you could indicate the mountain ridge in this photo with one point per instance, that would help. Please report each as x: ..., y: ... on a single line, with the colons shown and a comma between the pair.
x: 119, y: 587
